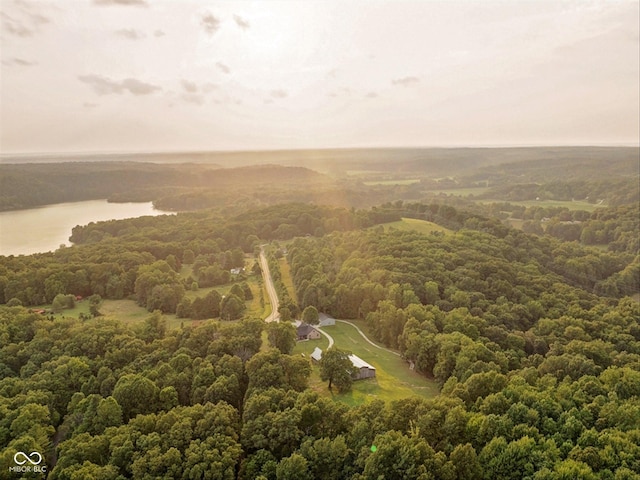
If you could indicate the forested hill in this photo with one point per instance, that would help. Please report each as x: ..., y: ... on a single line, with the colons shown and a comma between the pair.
x: 534, y: 341
x: 28, y: 185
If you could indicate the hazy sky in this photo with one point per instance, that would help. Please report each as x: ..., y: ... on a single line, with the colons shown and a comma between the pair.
x: 155, y: 75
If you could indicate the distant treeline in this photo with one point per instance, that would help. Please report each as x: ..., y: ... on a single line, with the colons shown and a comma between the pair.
x: 611, y: 191
x: 29, y: 185
x: 561, y: 173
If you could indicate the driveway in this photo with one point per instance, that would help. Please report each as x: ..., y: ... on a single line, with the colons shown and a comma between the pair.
x: 274, y: 316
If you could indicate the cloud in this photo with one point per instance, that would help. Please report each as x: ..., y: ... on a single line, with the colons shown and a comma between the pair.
x: 126, y: 3
x: 24, y: 24
x: 209, y: 87
x: 194, y: 98
x: 159, y: 33
x: 345, y: 91
x: 136, y: 87
x: 101, y: 85
x: 279, y: 93
x: 189, y: 87
x: 210, y: 23
x: 15, y: 27
x: 223, y: 68
x: 106, y: 86
x: 241, y: 22
x: 89, y: 105
x: 371, y: 95
x: 130, y: 34
x: 405, y: 81
x: 18, y: 62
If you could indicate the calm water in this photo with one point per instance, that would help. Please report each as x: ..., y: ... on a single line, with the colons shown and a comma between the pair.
x: 44, y: 229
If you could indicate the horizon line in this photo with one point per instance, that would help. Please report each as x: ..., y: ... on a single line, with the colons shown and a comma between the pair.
x: 234, y: 151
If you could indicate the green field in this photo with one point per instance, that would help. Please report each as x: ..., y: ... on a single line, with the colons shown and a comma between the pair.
x: 285, y: 273
x: 306, y: 347
x: 403, y: 181
x: 462, y: 192
x: 571, y: 205
x: 129, y: 312
x: 421, y: 226
x: 393, y: 379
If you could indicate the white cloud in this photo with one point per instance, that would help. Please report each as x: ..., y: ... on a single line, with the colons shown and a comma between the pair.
x: 241, y: 22
x: 210, y: 23
x: 405, y: 81
x: 106, y: 86
x: 223, y: 68
x: 279, y: 93
x: 125, y: 3
x: 130, y: 34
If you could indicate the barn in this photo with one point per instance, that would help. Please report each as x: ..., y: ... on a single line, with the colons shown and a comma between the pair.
x: 365, y: 370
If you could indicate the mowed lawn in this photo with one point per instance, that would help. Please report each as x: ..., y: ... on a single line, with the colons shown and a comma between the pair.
x: 414, y: 224
x: 393, y: 379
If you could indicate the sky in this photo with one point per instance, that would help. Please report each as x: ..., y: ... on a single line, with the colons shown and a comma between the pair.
x: 162, y: 75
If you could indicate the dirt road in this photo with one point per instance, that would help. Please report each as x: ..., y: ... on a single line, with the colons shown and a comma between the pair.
x: 271, y: 290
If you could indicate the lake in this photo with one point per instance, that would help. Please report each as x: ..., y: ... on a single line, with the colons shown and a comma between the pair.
x: 44, y: 229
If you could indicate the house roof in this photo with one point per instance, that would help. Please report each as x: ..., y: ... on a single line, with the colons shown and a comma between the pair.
x: 304, y: 329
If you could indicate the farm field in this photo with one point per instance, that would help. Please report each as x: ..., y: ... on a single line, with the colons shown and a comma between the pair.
x: 400, y: 181
x: 462, y: 192
x: 571, y: 205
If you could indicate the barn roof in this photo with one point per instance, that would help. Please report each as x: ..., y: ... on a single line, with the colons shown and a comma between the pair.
x: 355, y: 360
x: 359, y: 363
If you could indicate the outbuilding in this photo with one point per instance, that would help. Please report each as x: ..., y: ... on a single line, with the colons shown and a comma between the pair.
x: 365, y: 370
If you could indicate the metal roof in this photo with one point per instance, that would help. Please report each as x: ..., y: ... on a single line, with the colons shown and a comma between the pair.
x: 359, y: 363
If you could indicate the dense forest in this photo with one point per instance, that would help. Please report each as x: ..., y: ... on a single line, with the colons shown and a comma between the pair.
x: 531, y: 333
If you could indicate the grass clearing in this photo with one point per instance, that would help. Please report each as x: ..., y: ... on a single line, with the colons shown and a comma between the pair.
x: 571, y: 205
x: 305, y: 347
x: 127, y: 311
x: 399, y: 181
x: 357, y: 173
x: 414, y: 224
x: 285, y: 272
x: 393, y: 379
x: 462, y: 192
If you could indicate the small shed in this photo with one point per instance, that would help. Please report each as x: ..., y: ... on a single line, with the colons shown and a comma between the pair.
x: 316, y: 354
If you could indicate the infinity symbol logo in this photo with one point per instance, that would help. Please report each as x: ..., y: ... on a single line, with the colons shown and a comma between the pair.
x: 27, y: 458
